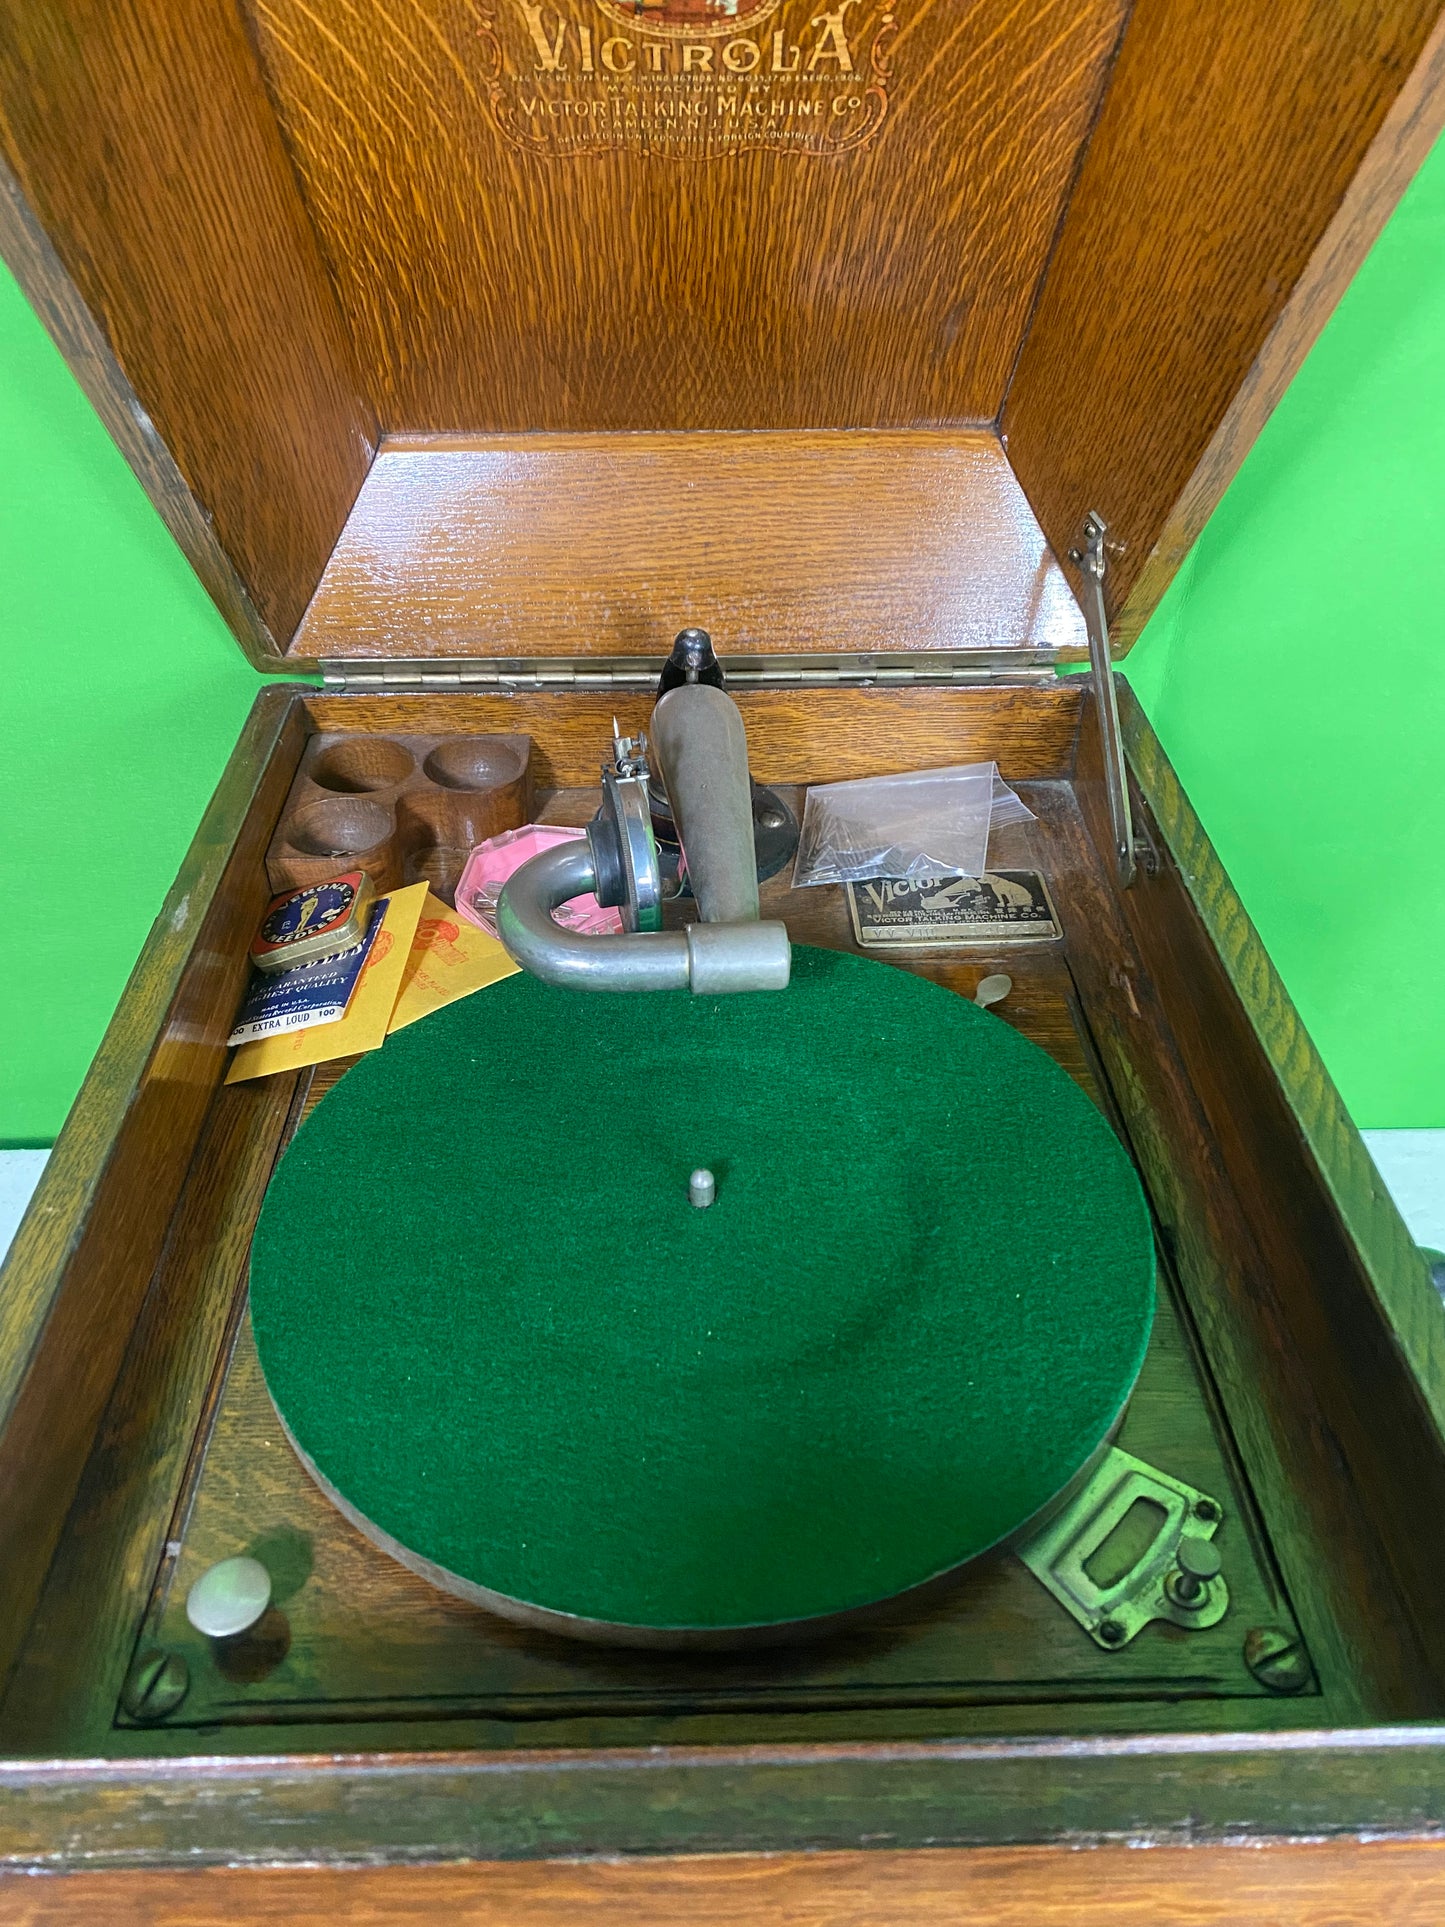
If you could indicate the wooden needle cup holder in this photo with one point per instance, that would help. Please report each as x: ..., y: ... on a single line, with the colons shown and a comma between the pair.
x: 405, y: 809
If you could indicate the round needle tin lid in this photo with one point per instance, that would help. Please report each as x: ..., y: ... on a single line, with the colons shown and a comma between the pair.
x: 533, y: 1369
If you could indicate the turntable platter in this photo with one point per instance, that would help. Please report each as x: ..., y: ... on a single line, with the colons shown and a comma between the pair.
x: 523, y: 1361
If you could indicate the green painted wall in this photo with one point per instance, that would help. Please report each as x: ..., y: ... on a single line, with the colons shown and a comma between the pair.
x: 1302, y: 705
x: 1295, y: 673
x: 123, y: 694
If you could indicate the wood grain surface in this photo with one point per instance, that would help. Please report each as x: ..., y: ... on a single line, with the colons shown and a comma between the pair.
x: 1362, y: 1317
x: 1322, y: 1402
x: 609, y: 544
x: 84, y: 1254
x: 1224, y: 149
x: 1335, y: 1883
x: 406, y: 809
x: 141, y: 135
x: 30, y: 255
x: 246, y: 333
x: 794, y: 735
x: 1397, y: 1280
x: 492, y: 289
x: 166, y: 1389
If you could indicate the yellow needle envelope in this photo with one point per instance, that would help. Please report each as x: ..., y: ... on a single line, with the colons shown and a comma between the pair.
x: 450, y: 958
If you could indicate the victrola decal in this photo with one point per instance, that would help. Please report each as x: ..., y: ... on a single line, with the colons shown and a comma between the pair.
x: 687, y: 79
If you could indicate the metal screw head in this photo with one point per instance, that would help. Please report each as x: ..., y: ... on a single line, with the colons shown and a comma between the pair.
x: 1111, y: 1631
x: 1205, y: 1509
x: 1277, y: 1659
x: 156, y: 1685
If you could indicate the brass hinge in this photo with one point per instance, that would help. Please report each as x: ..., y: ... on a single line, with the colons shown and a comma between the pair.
x: 504, y: 677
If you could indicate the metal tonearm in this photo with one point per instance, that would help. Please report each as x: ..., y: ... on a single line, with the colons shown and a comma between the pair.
x: 702, y: 752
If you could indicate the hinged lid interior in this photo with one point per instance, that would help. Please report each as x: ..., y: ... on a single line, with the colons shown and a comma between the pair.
x: 877, y: 299
x: 606, y: 545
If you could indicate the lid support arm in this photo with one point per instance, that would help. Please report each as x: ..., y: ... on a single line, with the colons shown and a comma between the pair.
x: 1091, y: 564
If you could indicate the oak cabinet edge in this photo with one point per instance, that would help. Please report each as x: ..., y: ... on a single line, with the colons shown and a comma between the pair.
x: 1392, y: 1259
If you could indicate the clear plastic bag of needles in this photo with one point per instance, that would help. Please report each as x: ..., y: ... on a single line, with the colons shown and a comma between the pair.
x: 928, y: 823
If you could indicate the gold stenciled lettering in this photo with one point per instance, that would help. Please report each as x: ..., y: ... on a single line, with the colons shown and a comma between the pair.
x: 549, y: 53
x: 833, y: 42
x: 584, y: 64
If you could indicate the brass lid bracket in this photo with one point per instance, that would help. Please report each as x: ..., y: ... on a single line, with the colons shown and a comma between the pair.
x: 1091, y: 564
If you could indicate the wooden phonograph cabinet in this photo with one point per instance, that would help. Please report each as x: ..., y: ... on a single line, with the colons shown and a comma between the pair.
x: 470, y: 349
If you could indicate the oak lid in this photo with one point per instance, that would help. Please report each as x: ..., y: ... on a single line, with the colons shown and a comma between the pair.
x: 1047, y: 259
x: 606, y: 545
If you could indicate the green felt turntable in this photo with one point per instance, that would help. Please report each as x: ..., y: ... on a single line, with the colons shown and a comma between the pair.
x: 537, y: 1374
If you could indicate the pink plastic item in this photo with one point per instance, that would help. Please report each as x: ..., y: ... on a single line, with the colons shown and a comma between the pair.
x: 492, y: 862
